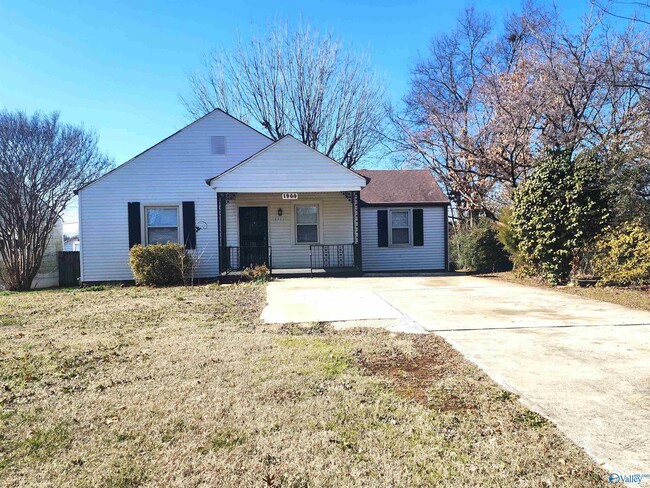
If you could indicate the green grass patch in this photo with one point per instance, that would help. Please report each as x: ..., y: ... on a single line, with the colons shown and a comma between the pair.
x: 45, y: 442
x: 40, y: 445
x: 227, y: 438
x: 86, y: 289
x: 126, y: 475
x: 532, y: 419
x: 175, y: 428
x: 18, y: 371
x: 327, y: 357
x: 10, y: 320
x: 124, y: 436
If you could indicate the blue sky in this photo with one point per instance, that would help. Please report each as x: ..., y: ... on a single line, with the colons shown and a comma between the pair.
x: 119, y: 67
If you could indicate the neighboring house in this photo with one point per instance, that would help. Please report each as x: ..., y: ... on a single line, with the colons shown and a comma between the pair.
x: 71, y: 243
x: 236, y: 198
x: 48, y: 273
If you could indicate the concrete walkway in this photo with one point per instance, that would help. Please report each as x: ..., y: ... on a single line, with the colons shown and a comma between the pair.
x: 582, y: 363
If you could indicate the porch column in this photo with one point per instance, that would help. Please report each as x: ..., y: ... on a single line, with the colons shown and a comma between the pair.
x: 356, y: 219
x: 221, y: 231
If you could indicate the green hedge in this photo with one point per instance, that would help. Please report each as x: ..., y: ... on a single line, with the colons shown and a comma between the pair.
x: 161, y: 264
x: 622, y: 255
x: 477, y: 249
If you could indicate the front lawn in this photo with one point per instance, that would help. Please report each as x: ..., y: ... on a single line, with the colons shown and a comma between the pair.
x: 124, y: 387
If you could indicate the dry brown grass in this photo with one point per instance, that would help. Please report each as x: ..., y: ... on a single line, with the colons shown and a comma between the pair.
x: 638, y: 298
x: 183, y: 387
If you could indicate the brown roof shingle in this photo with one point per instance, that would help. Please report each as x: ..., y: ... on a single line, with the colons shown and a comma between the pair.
x: 400, y: 186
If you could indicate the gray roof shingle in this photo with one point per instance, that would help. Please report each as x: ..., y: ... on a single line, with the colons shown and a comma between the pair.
x: 401, y: 186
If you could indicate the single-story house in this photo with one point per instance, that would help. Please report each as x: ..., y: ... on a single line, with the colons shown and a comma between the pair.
x: 236, y: 198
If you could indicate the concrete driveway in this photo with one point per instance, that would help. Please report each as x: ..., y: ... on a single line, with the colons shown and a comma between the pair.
x: 582, y: 363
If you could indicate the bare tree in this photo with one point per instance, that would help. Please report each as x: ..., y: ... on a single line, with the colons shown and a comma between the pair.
x: 625, y: 9
x: 487, y: 102
x: 635, y: 41
x: 446, y: 124
x: 298, y: 82
x: 42, y: 161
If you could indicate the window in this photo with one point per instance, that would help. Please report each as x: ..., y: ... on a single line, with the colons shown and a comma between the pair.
x: 306, y: 224
x: 400, y: 227
x: 218, y: 144
x: 161, y: 224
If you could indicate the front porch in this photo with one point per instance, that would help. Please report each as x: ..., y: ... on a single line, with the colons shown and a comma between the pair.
x: 293, y: 234
x: 234, y: 276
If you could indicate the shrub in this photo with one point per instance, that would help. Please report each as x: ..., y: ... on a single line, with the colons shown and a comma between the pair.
x: 161, y: 264
x: 477, y: 249
x: 257, y: 274
x: 622, y: 255
x: 557, y: 212
x: 506, y: 234
x: 629, y: 181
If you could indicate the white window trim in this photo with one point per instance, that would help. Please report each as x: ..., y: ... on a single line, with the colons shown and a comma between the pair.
x: 179, y: 220
x: 390, y: 227
x: 295, y: 223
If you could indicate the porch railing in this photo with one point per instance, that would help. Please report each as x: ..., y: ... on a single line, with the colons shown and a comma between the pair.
x: 237, y: 258
x: 328, y: 256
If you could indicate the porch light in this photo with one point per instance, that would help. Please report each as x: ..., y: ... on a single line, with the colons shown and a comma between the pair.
x: 279, y: 212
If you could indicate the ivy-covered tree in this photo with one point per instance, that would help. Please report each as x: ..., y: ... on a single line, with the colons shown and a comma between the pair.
x: 557, y: 212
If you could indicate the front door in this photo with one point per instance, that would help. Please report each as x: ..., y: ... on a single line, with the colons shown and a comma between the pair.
x: 253, y: 236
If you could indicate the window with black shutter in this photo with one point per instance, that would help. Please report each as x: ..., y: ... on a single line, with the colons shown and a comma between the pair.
x: 189, y: 225
x: 135, y: 229
x: 418, y: 227
x: 382, y: 228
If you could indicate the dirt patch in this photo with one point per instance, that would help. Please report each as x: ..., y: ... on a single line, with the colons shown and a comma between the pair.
x: 416, y: 376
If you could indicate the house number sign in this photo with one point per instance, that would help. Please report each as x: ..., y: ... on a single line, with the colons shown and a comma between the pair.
x: 289, y: 196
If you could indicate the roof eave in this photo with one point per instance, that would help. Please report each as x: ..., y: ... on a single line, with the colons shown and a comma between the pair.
x: 406, y: 204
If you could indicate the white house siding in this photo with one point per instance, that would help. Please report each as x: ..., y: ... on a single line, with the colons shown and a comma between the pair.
x: 431, y: 256
x: 289, y: 166
x: 171, y: 172
x: 335, y: 223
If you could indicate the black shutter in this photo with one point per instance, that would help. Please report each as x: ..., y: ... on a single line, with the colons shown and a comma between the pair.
x: 382, y: 228
x: 189, y: 225
x: 135, y: 230
x: 418, y: 227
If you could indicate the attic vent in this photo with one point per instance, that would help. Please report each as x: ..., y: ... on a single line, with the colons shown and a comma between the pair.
x: 218, y: 144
